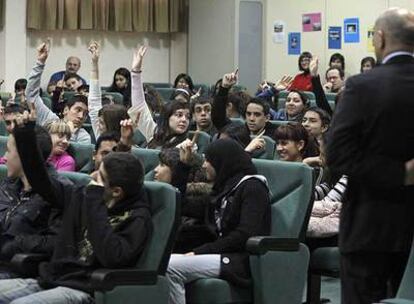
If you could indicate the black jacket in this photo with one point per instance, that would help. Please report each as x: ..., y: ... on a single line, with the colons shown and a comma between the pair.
x: 92, y: 236
x: 27, y: 222
x: 370, y: 139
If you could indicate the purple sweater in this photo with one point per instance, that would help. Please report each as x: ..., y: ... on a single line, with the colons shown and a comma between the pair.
x: 63, y: 162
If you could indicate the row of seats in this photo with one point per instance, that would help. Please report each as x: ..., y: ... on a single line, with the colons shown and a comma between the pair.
x: 291, y: 186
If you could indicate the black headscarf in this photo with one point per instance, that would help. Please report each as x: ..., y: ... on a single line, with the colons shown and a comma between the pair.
x: 231, y: 163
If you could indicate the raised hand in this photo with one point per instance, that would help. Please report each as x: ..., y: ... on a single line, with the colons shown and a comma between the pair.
x: 26, y: 117
x: 284, y: 83
x: 196, y: 95
x: 127, y: 131
x: 187, y: 149
x: 137, y: 59
x: 43, y: 51
x: 313, y: 66
x: 94, y: 49
x: 230, y: 79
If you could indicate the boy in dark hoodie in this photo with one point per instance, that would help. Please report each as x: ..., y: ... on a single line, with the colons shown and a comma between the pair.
x: 105, y: 224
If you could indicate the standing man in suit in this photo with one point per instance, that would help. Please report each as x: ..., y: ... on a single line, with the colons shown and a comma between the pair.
x: 372, y: 141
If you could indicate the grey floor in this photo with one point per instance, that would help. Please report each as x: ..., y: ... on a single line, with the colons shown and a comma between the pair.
x: 331, y: 289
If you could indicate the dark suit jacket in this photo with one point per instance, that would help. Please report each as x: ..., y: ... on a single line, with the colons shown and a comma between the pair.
x: 371, y: 138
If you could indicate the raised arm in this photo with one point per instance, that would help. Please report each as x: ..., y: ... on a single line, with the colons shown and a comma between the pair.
x: 321, y: 100
x: 145, y: 124
x: 218, y: 111
x: 44, y: 114
x: 95, y: 94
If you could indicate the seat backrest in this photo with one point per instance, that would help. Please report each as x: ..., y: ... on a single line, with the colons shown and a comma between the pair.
x: 118, y: 98
x: 165, y: 210
x: 82, y: 153
x: 291, y: 185
x: 203, y: 140
x: 3, y: 172
x: 406, y: 290
x: 278, y: 123
x: 159, y: 84
x: 77, y: 178
x: 139, y: 138
x: 148, y: 157
x: 165, y: 93
x: 205, y: 89
x: 269, y: 150
x: 3, y: 145
x: 239, y: 121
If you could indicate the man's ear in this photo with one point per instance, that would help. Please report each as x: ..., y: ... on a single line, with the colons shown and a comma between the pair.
x: 117, y: 193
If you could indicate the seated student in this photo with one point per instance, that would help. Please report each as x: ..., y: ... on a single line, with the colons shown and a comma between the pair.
x: 337, y: 60
x: 201, y: 112
x: 302, y: 81
x: 323, y: 225
x: 106, y: 224
x: 236, y: 104
x: 75, y: 110
x: 20, y: 87
x: 73, y: 65
x: 316, y: 121
x: 184, y: 81
x: 335, y: 80
x: 234, y: 179
x: 367, y: 64
x: 257, y: 110
x: 122, y: 84
x: 295, y: 107
x: 28, y: 223
x: 108, y: 117
x: 294, y: 143
x: 59, y: 157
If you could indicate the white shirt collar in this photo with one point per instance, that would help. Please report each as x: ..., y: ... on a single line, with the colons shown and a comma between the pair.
x: 395, y: 54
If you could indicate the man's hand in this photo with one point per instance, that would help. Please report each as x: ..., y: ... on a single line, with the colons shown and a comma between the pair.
x: 230, y: 79
x: 94, y: 49
x: 187, y: 148
x: 138, y: 58
x: 284, y: 83
x: 256, y: 143
x: 43, y: 51
x: 127, y: 131
x: 327, y: 87
x: 313, y: 66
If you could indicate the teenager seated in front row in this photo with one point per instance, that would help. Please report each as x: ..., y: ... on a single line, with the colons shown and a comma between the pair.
x: 239, y: 208
x: 75, y: 110
x: 105, y: 224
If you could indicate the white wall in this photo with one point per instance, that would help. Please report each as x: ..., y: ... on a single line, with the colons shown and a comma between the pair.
x: 278, y: 63
x: 166, y: 57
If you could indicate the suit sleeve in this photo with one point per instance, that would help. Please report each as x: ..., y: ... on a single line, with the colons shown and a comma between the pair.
x: 346, y: 152
x: 321, y: 100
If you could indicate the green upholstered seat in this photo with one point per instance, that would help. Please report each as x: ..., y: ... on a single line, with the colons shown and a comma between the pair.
x: 205, y: 89
x: 239, y: 121
x: 159, y: 84
x: 3, y: 145
x: 165, y: 93
x: 278, y: 275
x: 82, y: 153
x: 118, y: 98
x: 405, y: 294
x: 77, y: 178
x: 146, y: 283
x: 325, y: 260
x: 149, y: 157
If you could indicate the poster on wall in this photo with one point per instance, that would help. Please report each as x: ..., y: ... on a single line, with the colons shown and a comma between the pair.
x: 279, y: 31
x: 311, y: 22
x: 294, y: 44
x: 370, y: 37
x: 351, y: 30
x: 334, y: 37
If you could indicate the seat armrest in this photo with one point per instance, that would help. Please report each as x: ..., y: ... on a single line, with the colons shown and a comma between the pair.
x: 259, y: 245
x: 107, y: 279
x: 27, y: 264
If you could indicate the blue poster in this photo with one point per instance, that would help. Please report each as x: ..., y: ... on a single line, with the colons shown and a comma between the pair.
x: 351, y: 30
x: 334, y: 37
x: 294, y: 44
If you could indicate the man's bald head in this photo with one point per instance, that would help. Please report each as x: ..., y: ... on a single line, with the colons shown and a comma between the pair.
x: 73, y: 64
x: 394, y: 32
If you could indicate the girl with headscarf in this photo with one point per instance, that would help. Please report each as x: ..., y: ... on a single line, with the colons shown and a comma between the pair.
x: 239, y: 208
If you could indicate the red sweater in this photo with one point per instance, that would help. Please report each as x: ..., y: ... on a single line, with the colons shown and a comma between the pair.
x: 302, y: 82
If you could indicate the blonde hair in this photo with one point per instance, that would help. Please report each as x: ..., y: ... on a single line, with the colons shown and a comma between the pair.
x: 59, y: 127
